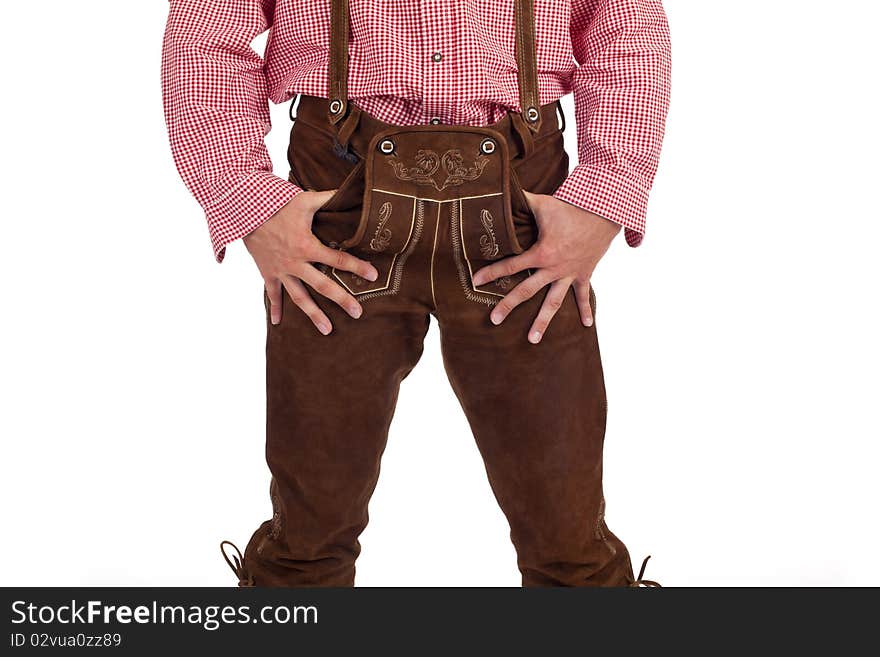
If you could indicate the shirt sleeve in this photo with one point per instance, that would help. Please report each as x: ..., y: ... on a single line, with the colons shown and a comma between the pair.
x: 216, y: 106
x: 621, y: 96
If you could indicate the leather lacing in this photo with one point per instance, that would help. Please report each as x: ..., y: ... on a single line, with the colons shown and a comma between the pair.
x: 640, y: 581
x: 236, y: 562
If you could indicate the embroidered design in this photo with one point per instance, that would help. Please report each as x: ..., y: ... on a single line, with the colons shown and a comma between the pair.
x: 600, y: 521
x: 275, y: 525
x: 458, y: 255
x: 488, y: 243
x: 457, y: 173
x: 428, y: 163
x: 382, y: 237
x: 397, y: 272
x: 422, y: 172
x: 504, y: 283
x: 602, y: 532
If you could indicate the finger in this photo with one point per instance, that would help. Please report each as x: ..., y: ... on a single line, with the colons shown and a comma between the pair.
x: 343, y: 261
x: 522, y: 292
x: 552, y: 303
x: 532, y: 200
x: 324, y: 286
x: 506, y: 267
x: 273, y: 291
x: 320, y: 198
x: 582, y: 294
x: 303, y: 300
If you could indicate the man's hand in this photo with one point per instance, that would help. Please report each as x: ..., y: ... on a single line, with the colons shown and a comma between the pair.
x: 570, y: 244
x: 284, y: 249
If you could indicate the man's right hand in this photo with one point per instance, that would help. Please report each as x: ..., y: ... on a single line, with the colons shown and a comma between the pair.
x: 285, y: 249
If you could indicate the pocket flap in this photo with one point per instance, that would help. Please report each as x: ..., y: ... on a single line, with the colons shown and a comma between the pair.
x: 385, y: 229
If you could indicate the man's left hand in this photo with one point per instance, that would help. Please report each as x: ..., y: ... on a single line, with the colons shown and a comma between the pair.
x: 570, y: 244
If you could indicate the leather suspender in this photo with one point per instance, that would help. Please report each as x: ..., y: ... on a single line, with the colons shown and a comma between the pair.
x: 337, y: 90
x: 526, y: 62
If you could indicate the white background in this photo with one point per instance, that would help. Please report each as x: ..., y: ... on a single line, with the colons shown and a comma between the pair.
x: 740, y: 341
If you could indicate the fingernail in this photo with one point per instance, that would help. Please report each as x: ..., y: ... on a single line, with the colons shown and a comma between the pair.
x: 478, y: 280
x: 355, y: 311
x: 588, y: 322
x: 496, y: 319
x: 324, y: 329
x: 535, y: 337
x: 275, y: 320
x: 372, y: 275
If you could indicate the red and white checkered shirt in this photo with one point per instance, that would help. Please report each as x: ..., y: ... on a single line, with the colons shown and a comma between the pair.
x: 612, y: 54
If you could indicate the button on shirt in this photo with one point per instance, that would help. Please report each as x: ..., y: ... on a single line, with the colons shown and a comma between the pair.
x: 413, y: 62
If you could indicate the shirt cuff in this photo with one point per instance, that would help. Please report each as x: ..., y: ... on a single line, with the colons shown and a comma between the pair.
x: 610, y: 195
x: 246, y: 207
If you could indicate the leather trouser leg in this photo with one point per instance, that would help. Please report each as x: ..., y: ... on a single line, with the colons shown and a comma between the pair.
x: 330, y: 400
x: 538, y: 415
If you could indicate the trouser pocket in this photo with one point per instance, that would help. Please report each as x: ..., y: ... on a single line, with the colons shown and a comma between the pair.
x: 389, y: 228
x: 483, y: 232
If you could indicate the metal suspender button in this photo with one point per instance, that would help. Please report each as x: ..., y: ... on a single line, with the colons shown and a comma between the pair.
x: 386, y: 146
x: 336, y: 107
x: 532, y: 114
x: 488, y: 146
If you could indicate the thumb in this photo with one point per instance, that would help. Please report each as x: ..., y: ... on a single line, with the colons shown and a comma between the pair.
x: 320, y: 198
x: 532, y: 200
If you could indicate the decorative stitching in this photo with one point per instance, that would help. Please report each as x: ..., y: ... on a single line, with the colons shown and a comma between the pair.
x: 504, y: 283
x: 602, y: 528
x: 397, y: 273
x: 434, y: 253
x: 428, y: 162
x: 275, y: 525
x: 600, y: 521
x: 458, y: 255
x: 488, y: 243
x: 356, y: 281
x: 382, y: 237
x: 438, y: 200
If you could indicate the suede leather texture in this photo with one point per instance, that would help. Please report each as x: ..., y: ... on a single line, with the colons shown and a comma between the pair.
x: 429, y: 206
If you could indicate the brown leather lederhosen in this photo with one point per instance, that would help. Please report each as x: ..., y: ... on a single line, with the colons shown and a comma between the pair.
x: 428, y: 205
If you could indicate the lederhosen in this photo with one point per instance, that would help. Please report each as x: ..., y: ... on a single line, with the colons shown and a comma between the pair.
x: 428, y: 205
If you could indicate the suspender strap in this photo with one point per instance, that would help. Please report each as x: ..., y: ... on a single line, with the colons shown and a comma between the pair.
x: 526, y: 62
x: 337, y: 91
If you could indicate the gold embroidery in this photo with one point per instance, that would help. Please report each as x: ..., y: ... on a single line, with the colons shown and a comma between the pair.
x: 488, y: 243
x: 382, y: 237
x: 428, y: 162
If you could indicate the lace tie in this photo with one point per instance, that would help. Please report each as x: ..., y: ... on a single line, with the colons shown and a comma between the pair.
x: 236, y: 562
x: 640, y: 582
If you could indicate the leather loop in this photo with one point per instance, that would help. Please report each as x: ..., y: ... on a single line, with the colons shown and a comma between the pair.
x: 527, y: 64
x: 337, y: 75
x: 346, y: 130
x: 561, y: 116
x: 293, y: 108
x: 524, y: 133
